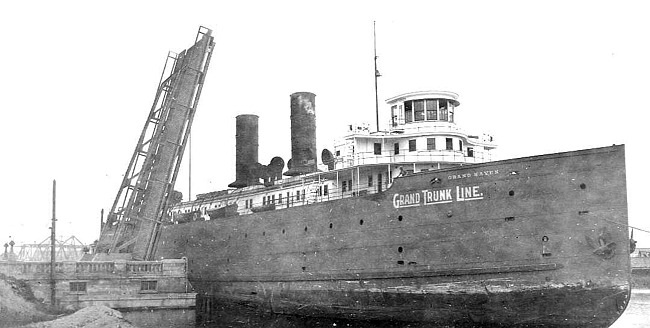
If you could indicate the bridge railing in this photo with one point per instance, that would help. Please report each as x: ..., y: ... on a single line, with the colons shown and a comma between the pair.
x: 27, y: 270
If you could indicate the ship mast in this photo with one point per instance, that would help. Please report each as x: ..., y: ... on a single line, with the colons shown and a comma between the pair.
x: 374, y: 39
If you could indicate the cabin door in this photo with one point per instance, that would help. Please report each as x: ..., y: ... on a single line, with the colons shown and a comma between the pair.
x: 379, y: 182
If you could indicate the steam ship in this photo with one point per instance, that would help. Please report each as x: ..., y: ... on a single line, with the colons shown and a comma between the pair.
x: 415, y: 223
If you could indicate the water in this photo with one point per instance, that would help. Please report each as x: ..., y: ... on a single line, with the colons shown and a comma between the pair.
x: 637, y: 313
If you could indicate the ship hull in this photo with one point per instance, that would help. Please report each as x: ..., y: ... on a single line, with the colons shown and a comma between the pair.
x: 537, y: 241
x: 556, y: 306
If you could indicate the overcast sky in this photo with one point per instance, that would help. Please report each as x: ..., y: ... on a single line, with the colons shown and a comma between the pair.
x: 78, y: 80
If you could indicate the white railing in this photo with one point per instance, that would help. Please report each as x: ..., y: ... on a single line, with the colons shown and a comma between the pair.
x: 419, y: 156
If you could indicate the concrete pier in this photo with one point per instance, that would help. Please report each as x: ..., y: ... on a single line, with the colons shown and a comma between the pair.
x: 120, y: 284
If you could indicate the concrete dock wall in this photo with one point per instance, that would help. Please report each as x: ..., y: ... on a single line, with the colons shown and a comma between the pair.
x: 117, y: 284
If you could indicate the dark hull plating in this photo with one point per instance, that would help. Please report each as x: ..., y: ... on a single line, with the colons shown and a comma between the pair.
x: 538, y: 241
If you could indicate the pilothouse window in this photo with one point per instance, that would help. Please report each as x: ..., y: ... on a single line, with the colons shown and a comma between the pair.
x: 432, y: 109
x: 419, y: 110
x: 443, y: 110
x: 408, y: 112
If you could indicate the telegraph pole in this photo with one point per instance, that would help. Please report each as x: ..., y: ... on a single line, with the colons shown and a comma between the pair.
x: 53, y: 248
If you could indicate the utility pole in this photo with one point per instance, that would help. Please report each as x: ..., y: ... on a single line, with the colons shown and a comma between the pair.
x: 53, y: 248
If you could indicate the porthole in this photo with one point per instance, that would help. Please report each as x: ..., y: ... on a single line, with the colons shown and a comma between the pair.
x: 583, y: 186
x: 282, y: 230
x: 305, y: 229
x: 511, y: 193
x: 400, y: 218
x: 400, y: 249
x: 360, y: 222
x: 330, y: 225
x: 545, y: 239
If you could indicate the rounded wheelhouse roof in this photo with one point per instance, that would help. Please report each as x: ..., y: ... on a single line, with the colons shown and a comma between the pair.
x: 430, y: 94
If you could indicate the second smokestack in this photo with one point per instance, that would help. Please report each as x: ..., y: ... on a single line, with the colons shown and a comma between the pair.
x: 303, y: 134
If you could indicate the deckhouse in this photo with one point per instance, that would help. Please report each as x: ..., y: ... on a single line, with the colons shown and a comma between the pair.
x: 422, y: 135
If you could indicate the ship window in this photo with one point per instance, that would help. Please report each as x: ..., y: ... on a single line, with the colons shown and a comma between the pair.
x: 377, y: 148
x: 451, y: 112
x: 431, y: 143
x: 396, y: 146
x: 450, y: 144
x: 280, y: 198
x: 443, y: 110
x: 460, y: 145
x: 412, y: 145
x: 303, y: 194
x: 297, y: 194
x: 432, y: 109
x: 350, y: 185
x: 338, y: 153
x: 470, y: 152
x: 272, y: 199
x: 288, y: 197
x: 325, y: 191
x: 344, y: 186
x: 393, y: 115
x: 148, y: 285
x: 370, y: 180
x: 78, y: 286
x: 418, y: 106
x: 408, y: 111
x: 263, y: 200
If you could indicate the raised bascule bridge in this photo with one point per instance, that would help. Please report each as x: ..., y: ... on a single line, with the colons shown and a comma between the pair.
x: 120, y: 274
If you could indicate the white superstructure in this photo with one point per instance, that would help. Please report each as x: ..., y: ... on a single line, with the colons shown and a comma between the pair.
x: 422, y: 136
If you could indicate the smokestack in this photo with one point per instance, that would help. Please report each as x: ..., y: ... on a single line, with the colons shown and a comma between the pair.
x: 303, y: 134
x: 246, y: 143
